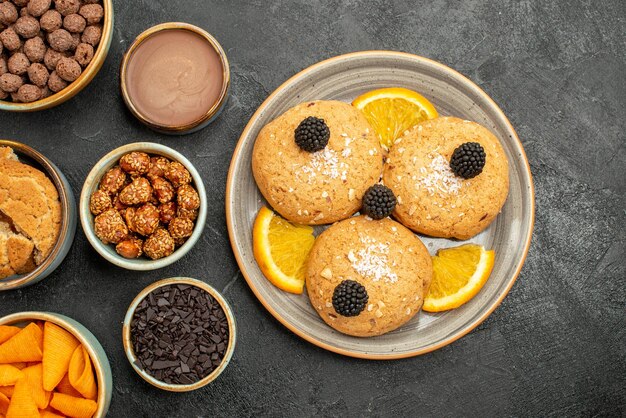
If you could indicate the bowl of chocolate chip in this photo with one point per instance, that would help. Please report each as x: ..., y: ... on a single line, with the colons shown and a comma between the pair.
x: 50, y: 50
x: 179, y: 334
x: 143, y: 206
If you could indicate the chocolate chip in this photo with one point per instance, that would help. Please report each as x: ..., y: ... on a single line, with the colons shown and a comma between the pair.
x: 179, y: 334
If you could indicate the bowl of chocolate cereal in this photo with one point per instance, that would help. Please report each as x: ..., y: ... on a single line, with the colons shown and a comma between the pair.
x: 37, y: 216
x: 143, y: 206
x: 50, y: 50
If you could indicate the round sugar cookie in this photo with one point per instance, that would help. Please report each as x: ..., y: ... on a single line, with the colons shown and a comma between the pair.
x: 432, y: 200
x: 382, y: 255
x: 324, y: 186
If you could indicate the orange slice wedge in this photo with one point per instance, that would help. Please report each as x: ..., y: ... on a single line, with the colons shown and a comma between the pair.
x: 391, y: 111
x: 281, y: 250
x: 459, y: 274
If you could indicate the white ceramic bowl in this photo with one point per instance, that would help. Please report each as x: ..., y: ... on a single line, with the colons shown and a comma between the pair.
x: 91, y: 185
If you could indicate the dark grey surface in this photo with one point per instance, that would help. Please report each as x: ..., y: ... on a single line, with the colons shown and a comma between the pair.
x: 557, y: 344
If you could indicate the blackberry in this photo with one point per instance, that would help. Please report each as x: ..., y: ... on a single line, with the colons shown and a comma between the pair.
x: 349, y: 298
x: 468, y: 160
x: 312, y: 134
x: 378, y: 202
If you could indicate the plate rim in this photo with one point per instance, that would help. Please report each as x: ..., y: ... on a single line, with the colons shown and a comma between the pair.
x: 231, y: 232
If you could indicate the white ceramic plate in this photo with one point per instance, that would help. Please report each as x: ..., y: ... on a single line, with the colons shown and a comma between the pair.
x: 344, y: 78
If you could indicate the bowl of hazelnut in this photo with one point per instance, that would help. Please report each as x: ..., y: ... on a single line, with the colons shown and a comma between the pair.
x: 50, y: 50
x: 143, y: 206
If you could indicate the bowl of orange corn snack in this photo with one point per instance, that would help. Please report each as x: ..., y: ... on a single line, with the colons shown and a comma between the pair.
x: 51, y: 366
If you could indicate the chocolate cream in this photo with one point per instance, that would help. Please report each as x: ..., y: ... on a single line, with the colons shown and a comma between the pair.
x: 174, y: 77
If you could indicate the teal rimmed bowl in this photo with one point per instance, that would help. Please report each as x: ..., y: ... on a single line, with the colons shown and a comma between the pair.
x: 91, y: 185
x: 104, y: 376
x: 30, y: 156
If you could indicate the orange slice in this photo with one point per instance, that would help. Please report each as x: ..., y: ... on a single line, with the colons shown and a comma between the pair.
x: 459, y: 274
x: 391, y: 111
x: 281, y: 250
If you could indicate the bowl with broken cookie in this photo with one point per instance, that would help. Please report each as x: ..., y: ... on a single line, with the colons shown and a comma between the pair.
x: 37, y: 216
x: 143, y: 206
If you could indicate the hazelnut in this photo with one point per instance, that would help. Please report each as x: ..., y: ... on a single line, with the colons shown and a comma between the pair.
x: 157, y: 168
x: 91, y: 35
x: 56, y: 83
x: 26, y: 27
x: 18, y: 63
x: 10, y: 83
x: 60, y: 40
x: 146, y: 219
x: 167, y: 212
x: 159, y: 245
x: 74, y: 23
x: 135, y: 163
x: 119, y: 206
x: 113, y: 180
x: 67, y: 7
x: 163, y: 189
x: 10, y: 39
x: 38, y: 74
x: 139, y: 191
x: 180, y: 228
x: 35, y: 49
x: 177, y: 174
x: 187, y: 197
x: 8, y: 13
x: 51, y: 58
x: 186, y: 213
x: 93, y: 13
x: 68, y: 69
x: 83, y: 54
x: 110, y: 227
x: 51, y: 21
x: 38, y: 7
x: 130, y: 248
x: 99, y: 202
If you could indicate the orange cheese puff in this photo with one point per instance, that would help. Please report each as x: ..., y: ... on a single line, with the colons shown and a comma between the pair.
x: 7, y: 332
x: 48, y: 413
x: 81, y: 374
x: 34, y: 375
x: 7, y: 390
x: 73, y: 407
x: 4, y: 403
x: 22, y: 403
x: 58, y: 347
x: 9, y: 375
x: 66, y: 387
x: 23, y: 346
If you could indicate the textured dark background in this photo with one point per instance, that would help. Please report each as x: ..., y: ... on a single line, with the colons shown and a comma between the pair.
x: 557, y: 344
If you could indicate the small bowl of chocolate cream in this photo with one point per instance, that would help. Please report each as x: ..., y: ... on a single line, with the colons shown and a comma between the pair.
x: 175, y: 78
